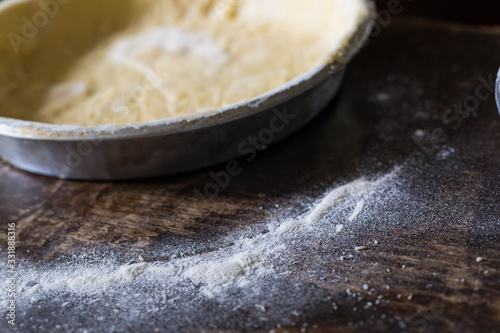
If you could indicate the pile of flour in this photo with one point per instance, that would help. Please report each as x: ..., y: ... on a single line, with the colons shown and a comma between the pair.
x: 250, y: 262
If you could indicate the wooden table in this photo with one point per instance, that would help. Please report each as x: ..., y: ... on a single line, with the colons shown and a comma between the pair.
x: 397, y: 90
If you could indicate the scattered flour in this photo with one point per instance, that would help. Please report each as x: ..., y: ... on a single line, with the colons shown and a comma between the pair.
x: 330, y: 201
x: 169, y: 39
x: 357, y: 211
x: 65, y: 92
x: 445, y: 153
x: 241, y: 264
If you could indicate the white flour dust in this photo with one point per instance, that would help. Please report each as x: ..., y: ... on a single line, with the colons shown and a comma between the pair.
x: 242, y: 264
x: 358, y: 210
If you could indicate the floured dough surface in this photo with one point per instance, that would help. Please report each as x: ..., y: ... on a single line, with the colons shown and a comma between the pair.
x: 97, y: 62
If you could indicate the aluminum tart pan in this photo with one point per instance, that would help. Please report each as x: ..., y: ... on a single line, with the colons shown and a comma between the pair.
x: 178, y: 145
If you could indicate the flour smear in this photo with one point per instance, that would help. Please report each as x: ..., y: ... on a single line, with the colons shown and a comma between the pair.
x: 244, y: 264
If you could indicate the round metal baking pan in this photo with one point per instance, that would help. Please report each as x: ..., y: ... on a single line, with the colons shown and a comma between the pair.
x: 497, y: 92
x: 177, y: 145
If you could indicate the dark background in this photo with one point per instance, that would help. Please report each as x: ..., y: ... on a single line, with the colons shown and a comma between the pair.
x: 465, y: 11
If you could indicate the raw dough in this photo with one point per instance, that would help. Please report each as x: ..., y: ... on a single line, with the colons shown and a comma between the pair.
x: 99, y: 62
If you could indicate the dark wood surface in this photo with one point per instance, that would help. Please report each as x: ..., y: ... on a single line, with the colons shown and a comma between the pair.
x: 464, y: 11
x: 450, y: 217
